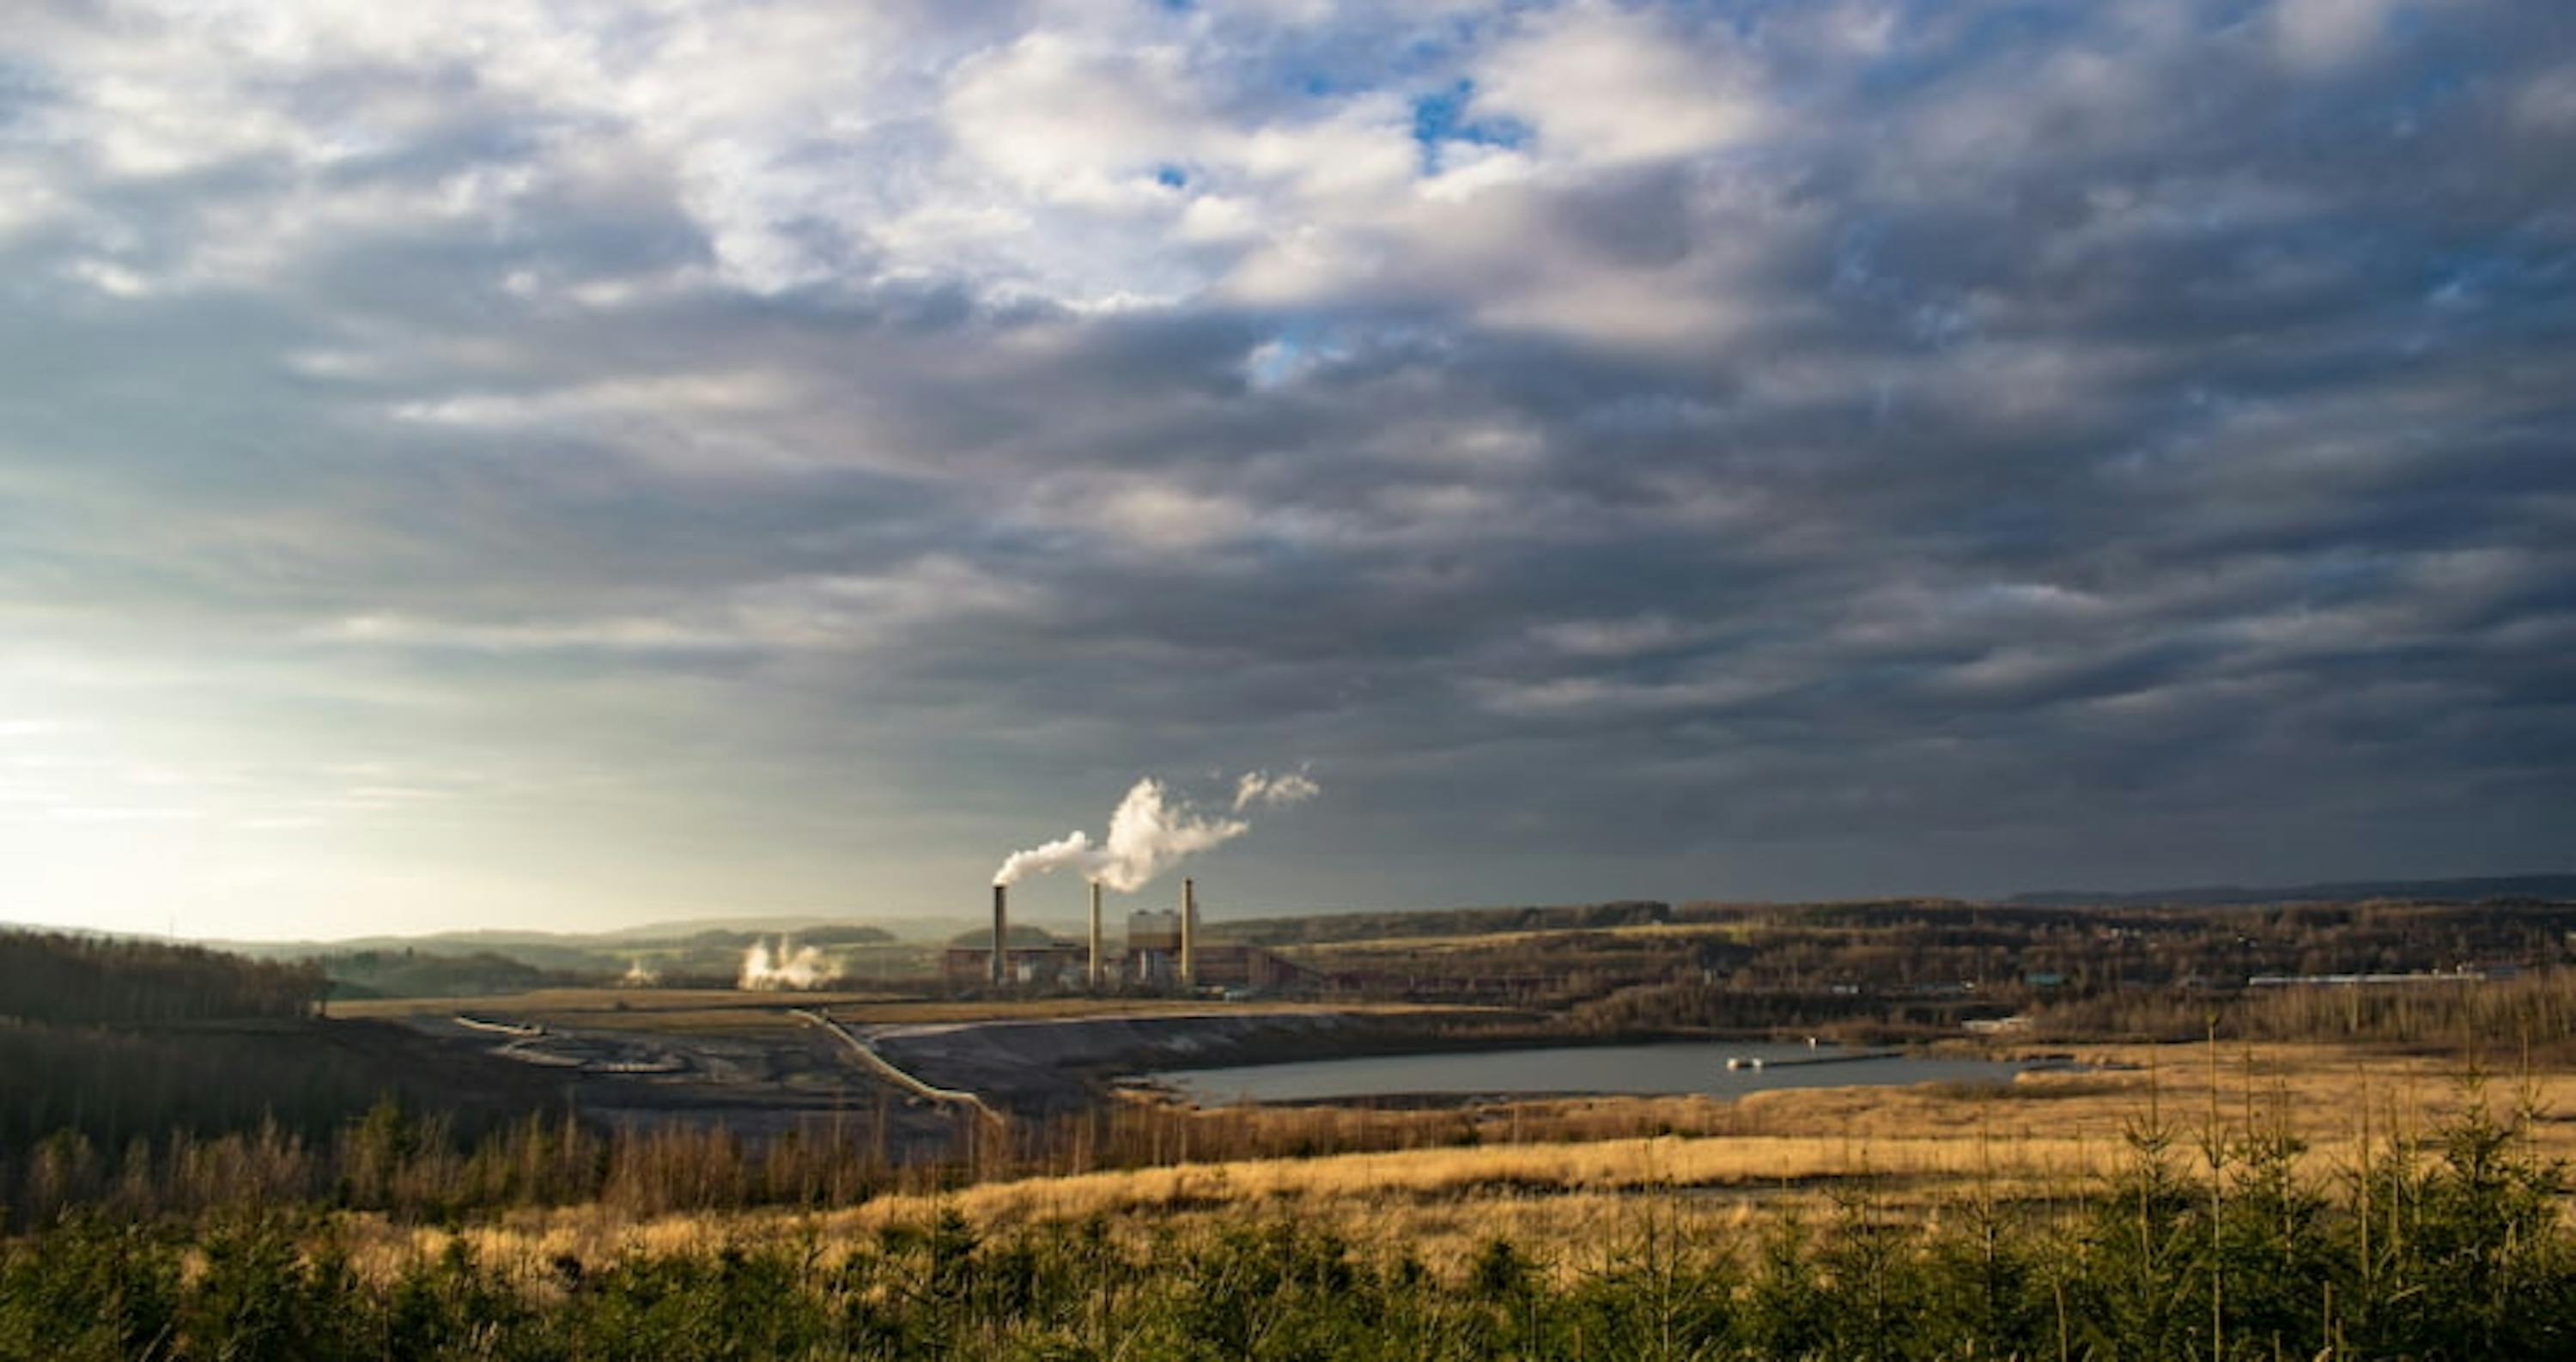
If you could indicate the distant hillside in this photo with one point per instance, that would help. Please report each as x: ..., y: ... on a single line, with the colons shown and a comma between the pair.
x: 476, y: 962
x: 56, y: 978
x: 1320, y: 928
x: 576, y: 950
x: 2474, y: 890
x: 114, y: 1040
x: 411, y: 974
x: 1022, y: 934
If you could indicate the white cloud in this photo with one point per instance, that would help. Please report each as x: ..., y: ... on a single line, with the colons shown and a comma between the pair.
x: 1087, y: 124
x: 2325, y: 33
x: 664, y: 395
x: 736, y: 412
x: 1611, y: 637
x: 1605, y: 85
x: 833, y: 612
x: 2547, y: 103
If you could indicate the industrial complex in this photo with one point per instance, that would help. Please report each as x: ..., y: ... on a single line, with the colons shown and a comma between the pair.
x: 1161, y: 953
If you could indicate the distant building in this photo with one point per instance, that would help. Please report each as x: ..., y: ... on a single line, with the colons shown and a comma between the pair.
x: 1151, y: 961
x: 1153, y: 956
x: 1229, y: 966
x: 1051, y: 966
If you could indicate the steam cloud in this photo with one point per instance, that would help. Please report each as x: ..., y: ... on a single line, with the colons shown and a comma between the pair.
x: 788, y: 967
x: 1287, y: 787
x: 1150, y: 831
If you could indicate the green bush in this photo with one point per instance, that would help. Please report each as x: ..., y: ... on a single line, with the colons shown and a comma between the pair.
x: 2210, y: 1248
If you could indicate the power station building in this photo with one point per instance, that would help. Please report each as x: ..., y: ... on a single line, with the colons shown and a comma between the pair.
x: 1162, y: 952
x: 1153, y: 949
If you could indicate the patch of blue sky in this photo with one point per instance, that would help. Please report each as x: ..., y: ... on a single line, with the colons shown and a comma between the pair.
x: 1442, y: 118
x: 1274, y: 362
x: 1402, y: 56
x: 1270, y: 366
x: 2499, y: 283
x: 1288, y: 353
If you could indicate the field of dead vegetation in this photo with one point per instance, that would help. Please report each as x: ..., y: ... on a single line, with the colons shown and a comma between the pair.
x: 2050, y: 1135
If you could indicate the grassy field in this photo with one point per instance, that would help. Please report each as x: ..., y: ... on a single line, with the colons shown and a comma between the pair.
x: 2049, y: 1136
x: 2219, y: 1201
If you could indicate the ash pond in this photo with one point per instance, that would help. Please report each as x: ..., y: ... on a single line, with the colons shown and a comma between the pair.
x: 1717, y: 1068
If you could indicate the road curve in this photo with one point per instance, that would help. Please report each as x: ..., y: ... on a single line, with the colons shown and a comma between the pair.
x: 878, y: 1064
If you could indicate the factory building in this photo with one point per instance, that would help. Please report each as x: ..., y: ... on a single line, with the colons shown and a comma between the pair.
x: 1053, y: 967
x: 1063, y: 967
x: 1162, y: 952
x: 1153, y: 957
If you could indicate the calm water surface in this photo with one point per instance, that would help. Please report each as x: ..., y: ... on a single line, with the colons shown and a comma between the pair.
x: 1678, y: 1067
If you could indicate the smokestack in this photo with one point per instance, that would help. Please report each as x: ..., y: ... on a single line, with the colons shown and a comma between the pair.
x: 1095, y: 936
x: 1001, y: 935
x: 1189, y: 933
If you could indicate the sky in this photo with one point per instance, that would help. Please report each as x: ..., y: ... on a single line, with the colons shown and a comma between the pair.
x: 566, y: 464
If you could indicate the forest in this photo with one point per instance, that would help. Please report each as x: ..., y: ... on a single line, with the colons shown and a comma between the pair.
x: 1910, y: 969
x: 60, y: 979
x: 105, y: 1042
x: 2452, y: 1250
x: 195, y: 1165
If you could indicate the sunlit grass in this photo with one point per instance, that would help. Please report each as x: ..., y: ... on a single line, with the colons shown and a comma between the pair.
x: 1916, y: 1150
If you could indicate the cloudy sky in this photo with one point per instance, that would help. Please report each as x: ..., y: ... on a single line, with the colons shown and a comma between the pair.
x: 564, y: 464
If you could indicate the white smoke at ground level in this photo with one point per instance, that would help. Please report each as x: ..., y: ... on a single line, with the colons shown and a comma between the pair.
x: 640, y: 975
x: 787, y: 967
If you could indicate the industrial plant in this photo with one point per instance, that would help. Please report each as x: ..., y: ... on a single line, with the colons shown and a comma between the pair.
x: 1161, y: 953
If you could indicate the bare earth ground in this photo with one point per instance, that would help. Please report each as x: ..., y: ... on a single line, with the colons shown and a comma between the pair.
x: 746, y: 1062
x: 734, y: 1009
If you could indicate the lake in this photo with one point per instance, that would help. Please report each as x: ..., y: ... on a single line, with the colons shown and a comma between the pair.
x: 1672, y: 1067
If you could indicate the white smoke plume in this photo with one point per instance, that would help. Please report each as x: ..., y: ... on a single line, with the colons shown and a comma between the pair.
x: 1287, y: 787
x: 1150, y: 831
x: 1146, y: 836
x: 1072, y: 850
x: 787, y: 967
x: 639, y: 975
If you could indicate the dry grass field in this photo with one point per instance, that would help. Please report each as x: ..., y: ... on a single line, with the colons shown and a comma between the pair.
x: 1919, y: 1149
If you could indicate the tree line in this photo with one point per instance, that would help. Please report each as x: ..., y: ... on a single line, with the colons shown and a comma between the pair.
x: 2218, y: 1251
x: 62, y: 979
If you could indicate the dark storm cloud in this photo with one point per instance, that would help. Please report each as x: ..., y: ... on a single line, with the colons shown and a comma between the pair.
x: 1820, y: 448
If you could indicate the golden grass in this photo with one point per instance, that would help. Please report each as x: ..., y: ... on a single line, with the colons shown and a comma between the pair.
x: 1574, y: 1230
x: 1914, y: 1148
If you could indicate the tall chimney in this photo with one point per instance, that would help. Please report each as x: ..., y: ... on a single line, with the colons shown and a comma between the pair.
x: 1095, y: 936
x: 1189, y: 933
x: 1001, y: 935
